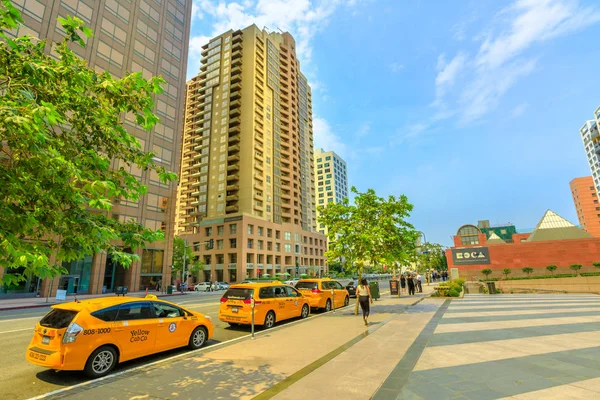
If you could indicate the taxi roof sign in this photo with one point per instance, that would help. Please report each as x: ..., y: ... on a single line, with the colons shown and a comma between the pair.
x: 151, y: 297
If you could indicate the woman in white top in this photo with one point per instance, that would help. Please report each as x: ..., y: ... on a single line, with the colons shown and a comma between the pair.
x: 363, y: 292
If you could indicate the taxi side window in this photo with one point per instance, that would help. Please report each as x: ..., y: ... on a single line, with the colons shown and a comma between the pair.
x: 133, y: 311
x: 280, y: 292
x: 167, y: 311
x: 291, y: 292
x: 326, y: 285
x: 337, y: 285
x: 266, y: 293
x: 107, y: 315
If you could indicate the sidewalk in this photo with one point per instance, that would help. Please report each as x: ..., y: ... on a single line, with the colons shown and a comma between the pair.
x: 284, y: 363
x: 38, y: 302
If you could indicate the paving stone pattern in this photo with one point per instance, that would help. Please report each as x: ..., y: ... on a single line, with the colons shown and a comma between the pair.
x: 458, y: 365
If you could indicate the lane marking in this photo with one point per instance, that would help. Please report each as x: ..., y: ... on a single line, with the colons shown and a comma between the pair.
x: 18, y: 330
x: 20, y: 319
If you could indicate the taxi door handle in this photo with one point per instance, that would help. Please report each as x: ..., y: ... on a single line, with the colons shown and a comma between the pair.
x: 118, y: 329
x: 161, y: 325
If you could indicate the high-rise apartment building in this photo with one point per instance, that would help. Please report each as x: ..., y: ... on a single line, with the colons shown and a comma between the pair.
x: 331, y: 180
x: 585, y: 198
x: 591, y: 143
x: 149, y: 36
x: 246, y: 181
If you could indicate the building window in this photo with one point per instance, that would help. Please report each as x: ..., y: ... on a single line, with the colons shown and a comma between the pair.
x: 220, y: 230
x: 232, y: 229
x: 250, y: 243
x: 260, y: 245
x: 288, y: 248
x: 208, y: 231
x: 259, y: 230
x: 109, y: 54
x: 287, y: 236
x: 250, y: 229
x: 144, y: 51
x: 146, y: 31
x: 220, y: 244
x: 233, y: 243
x: 149, y: 11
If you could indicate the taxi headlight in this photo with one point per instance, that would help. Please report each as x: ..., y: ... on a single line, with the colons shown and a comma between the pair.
x: 72, y: 332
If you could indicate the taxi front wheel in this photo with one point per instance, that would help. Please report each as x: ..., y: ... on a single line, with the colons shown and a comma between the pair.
x: 198, y: 338
x: 305, y: 311
x: 269, y: 320
x: 101, y: 362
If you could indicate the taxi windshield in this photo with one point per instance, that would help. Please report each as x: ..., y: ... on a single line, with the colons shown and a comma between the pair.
x: 58, y: 319
x: 238, y: 294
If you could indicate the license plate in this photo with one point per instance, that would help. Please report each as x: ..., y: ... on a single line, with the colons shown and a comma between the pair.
x: 46, y: 340
x: 234, y: 309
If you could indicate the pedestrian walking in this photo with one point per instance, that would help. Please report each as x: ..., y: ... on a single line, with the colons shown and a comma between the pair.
x: 411, y: 285
x: 364, y: 298
x: 402, y: 283
x: 420, y: 283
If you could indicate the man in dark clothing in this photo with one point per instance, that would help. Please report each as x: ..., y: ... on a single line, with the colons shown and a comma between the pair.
x: 411, y: 285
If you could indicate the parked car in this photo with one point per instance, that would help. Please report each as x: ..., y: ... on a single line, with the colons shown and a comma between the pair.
x: 94, y: 335
x: 202, y: 287
x: 292, y: 281
x: 318, y: 292
x: 351, y: 288
x: 273, y: 302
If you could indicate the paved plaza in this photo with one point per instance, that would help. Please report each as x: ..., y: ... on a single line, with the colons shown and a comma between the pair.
x: 504, y: 346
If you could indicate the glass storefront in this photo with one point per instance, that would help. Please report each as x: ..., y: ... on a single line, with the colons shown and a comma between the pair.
x: 77, y: 278
x: 152, y: 268
x: 29, y: 285
x: 233, y: 275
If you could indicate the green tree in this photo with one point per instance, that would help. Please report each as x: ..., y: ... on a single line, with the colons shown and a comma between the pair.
x: 430, y: 255
x: 371, y: 231
x: 575, y: 267
x: 527, y: 270
x: 487, y: 272
x: 61, y: 127
x: 551, y: 268
x: 506, y: 272
x: 183, y: 252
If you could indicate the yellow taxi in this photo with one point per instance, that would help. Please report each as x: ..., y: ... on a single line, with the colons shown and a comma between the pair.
x: 273, y: 301
x: 322, y: 293
x: 94, y: 335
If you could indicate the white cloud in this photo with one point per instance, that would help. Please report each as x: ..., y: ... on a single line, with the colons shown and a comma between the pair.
x: 396, y: 67
x: 326, y: 139
x: 364, y: 129
x: 501, y: 59
x: 302, y: 18
x: 519, y: 110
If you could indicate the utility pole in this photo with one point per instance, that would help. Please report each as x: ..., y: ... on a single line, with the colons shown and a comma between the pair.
x: 184, y: 259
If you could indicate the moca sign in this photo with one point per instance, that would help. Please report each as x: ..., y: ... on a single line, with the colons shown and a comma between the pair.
x: 475, y: 255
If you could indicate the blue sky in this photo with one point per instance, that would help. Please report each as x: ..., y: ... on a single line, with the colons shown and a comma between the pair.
x: 470, y: 108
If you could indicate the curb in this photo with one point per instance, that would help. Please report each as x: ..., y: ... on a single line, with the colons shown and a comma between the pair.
x: 54, y: 303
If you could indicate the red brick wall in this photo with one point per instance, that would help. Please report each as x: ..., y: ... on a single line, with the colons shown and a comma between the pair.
x: 518, y: 236
x: 537, y: 255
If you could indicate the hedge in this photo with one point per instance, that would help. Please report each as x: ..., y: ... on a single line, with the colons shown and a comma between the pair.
x: 590, y: 274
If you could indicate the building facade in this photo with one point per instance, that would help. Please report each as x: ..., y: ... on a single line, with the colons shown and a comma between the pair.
x: 591, y: 143
x: 247, y: 160
x: 503, y: 231
x: 331, y: 175
x: 585, y: 198
x: 146, y: 36
x: 554, y: 241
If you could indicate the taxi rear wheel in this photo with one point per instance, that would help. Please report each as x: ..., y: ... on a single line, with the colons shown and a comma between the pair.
x: 305, y: 311
x: 101, y: 362
x: 328, y: 305
x: 198, y: 338
x: 346, y: 301
x: 269, y: 320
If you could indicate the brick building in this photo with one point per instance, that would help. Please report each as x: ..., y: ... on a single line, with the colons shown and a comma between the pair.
x: 554, y: 241
x: 586, y: 204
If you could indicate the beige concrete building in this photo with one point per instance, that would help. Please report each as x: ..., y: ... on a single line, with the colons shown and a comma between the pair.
x: 331, y: 180
x: 150, y: 36
x: 247, y: 181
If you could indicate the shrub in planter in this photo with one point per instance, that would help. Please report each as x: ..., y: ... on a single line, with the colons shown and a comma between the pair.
x: 453, y: 293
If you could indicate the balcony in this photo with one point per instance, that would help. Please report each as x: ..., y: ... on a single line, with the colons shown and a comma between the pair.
x: 231, y: 188
x: 258, y: 196
x: 235, y: 129
x: 232, y: 197
x: 236, y: 70
x: 231, y: 209
x: 195, y: 194
x: 234, y: 121
x: 234, y: 139
x: 233, y: 157
x: 235, y: 103
x: 195, y: 184
x: 233, y: 167
x: 235, y: 112
x: 235, y: 87
x: 234, y: 149
x: 195, y: 203
x: 236, y: 54
x: 233, y: 177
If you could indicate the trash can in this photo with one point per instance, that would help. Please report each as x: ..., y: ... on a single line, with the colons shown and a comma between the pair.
x: 491, y: 287
x: 170, y: 289
x: 374, y: 286
x: 394, y: 287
